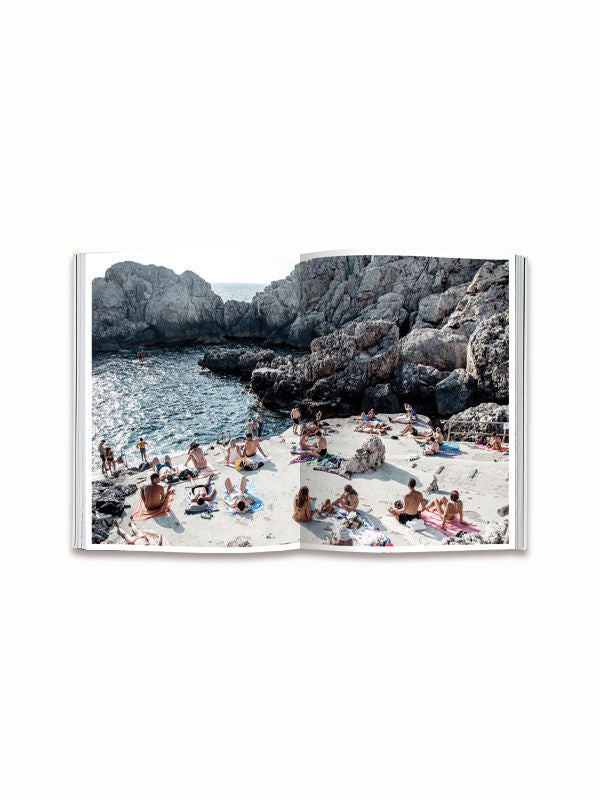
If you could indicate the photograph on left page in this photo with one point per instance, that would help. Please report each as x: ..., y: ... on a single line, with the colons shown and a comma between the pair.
x: 182, y: 453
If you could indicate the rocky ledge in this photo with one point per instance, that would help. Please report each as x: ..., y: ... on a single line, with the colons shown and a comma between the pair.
x: 233, y: 361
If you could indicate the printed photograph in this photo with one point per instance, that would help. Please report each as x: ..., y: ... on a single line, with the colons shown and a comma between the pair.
x: 257, y: 400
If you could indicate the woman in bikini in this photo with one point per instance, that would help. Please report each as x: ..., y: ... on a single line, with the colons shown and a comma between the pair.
x: 239, y: 501
x: 447, y: 509
x: 302, y: 510
x: 348, y: 500
x: 110, y: 460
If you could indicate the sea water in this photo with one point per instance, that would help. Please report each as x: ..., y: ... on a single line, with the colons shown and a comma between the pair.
x: 169, y: 400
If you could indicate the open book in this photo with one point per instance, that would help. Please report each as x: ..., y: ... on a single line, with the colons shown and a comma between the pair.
x: 241, y: 401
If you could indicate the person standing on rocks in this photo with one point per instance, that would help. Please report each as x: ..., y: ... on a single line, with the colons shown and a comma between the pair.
x: 102, y: 451
x: 142, y: 448
x: 411, y: 505
x: 295, y: 417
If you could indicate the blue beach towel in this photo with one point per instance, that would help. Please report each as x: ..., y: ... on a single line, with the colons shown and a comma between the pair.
x: 252, y: 491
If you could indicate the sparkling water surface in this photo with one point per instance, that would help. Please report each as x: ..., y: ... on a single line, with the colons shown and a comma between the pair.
x: 169, y: 400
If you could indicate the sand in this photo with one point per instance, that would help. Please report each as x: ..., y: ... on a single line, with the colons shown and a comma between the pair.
x: 277, y: 482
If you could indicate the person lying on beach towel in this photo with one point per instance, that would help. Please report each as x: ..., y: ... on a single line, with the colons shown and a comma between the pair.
x: 139, y: 536
x: 348, y: 500
x: 164, y: 468
x: 303, y: 505
x: 410, y: 506
x: 152, y: 493
x: 378, y: 429
x: 447, y: 509
x: 202, y: 492
x: 251, y: 446
x: 238, y: 501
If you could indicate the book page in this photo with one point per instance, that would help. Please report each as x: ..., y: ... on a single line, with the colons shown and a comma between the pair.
x: 181, y: 436
x: 405, y: 408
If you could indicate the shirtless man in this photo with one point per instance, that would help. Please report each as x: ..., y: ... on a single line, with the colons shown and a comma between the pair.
x: 102, y: 451
x: 200, y: 493
x: 321, y: 448
x: 410, y: 506
x: 196, y: 456
x: 295, y: 417
x: 164, y: 469
x: 251, y: 446
x: 348, y: 500
x: 448, y: 509
x: 239, y: 500
x: 153, y: 494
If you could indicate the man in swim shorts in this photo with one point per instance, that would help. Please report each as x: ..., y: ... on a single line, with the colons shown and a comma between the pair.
x: 410, y: 506
x: 295, y: 416
x: 142, y: 447
x: 102, y: 451
x: 152, y: 493
x: 251, y: 446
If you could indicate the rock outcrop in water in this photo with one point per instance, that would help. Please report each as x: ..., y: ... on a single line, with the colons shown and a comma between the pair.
x: 233, y: 361
x: 381, y: 329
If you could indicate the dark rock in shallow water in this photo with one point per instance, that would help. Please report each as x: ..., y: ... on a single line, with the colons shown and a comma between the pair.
x: 381, y: 398
x: 233, y: 361
x: 455, y: 393
x: 488, y: 356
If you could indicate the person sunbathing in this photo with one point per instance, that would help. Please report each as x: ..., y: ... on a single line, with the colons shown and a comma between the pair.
x: 153, y: 494
x: 139, y: 536
x: 371, y: 414
x: 438, y: 436
x: 448, y: 509
x: 348, y: 500
x: 432, y: 447
x: 251, y: 446
x: 238, y: 499
x: 303, y: 443
x: 234, y: 451
x: 302, y: 505
x: 410, y: 411
x: 326, y: 509
x: 494, y: 442
x: 196, y: 456
x: 408, y: 430
x: 201, y: 493
x: 410, y: 506
x: 311, y: 428
x: 165, y: 469
x: 321, y: 448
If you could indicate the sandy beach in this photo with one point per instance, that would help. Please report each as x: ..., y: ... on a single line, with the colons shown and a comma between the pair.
x: 481, y: 478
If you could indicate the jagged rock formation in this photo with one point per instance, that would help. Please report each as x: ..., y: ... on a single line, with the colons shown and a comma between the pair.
x: 370, y: 456
x: 476, y: 420
x: 381, y: 399
x: 235, y: 361
x: 494, y: 533
x: 488, y: 356
x: 455, y: 393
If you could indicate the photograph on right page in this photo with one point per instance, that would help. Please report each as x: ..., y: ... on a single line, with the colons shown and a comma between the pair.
x: 403, y: 397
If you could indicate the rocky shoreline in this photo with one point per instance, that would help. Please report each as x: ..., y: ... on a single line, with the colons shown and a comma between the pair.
x: 382, y: 330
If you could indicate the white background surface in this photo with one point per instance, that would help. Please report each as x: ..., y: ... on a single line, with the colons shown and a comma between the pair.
x: 440, y: 127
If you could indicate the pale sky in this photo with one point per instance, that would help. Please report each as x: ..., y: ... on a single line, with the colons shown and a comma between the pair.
x: 215, y: 266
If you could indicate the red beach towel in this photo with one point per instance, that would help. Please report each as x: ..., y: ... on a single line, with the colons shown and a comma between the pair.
x: 141, y: 512
x: 453, y: 526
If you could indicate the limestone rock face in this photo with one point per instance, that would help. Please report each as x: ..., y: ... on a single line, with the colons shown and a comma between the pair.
x: 368, y: 457
x: 476, y: 420
x: 442, y: 349
x: 135, y: 304
x: 486, y: 295
x: 235, y: 361
x: 455, y: 393
x: 415, y: 382
x: 488, y: 356
x: 382, y: 399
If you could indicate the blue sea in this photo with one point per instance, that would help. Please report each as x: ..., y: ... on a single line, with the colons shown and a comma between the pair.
x: 169, y: 400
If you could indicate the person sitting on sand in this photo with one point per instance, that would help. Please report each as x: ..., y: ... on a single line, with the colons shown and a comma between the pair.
x: 321, y: 448
x: 494, y: 442
x: 139, y: 536
x: 432, y: 447
x: 110, y: 460
x: 251, y: 446
x: 448, y: 509
x: 348, y: 500
x: 302, y: 505
x: 410, y: 411
x: 438, y: 436
x: 342, y: 537
x: 303, y: 443
x: 153, y: 494
x: 196, y: 456
x: 410, y: 506
x: 142, y: 447
x: 326, y: 508
x: 201, y: 493
x: 295, y: 417
x: 165, y: 469
x: 371, y: 414
x: 311, y: 428
x: 233, y: 452
x: 238, y: 499
x: 102, y: 451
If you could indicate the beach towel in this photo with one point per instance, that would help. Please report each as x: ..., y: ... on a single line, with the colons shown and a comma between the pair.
x: 141, y: 512
x: 192, y: 507
x: 252, y: 491
x: 449, y: 446
x: 453, y: 527
x: 492, y: 450
x: 448, y: 452
x: 303, y: 458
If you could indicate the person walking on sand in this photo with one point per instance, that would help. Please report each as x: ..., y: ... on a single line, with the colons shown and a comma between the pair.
x: 142, y: 448
x: 348, y: 500
x: 295, y: 417
x: 251, y: 446
x: 302, y: 505
x: 239, y: 501
x: 410, y: 506
x: 139, y: 536
x: 102, y: 451
x: 448, y: 509
x: 153, y: 494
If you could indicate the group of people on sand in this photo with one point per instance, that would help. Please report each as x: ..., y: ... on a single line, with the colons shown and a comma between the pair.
x: 368, y: 423
x: 413, y: 503
x: 246, y: 449
x: 304, y: 506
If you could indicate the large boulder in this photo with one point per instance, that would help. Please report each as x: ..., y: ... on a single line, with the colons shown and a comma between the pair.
x: 368, y: 457
x: 486, y: 295
x: 235, y: 361
x: 381, y: 398
x: 455, y: 393
x: 488, y: 357
x: 484, y: 418
x: 414, y: 383
x: 442, y: 349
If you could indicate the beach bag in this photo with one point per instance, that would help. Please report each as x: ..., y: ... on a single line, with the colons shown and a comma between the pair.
x: 241, y: 463
x: 416, y: 524
x: 252, y: 465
